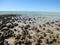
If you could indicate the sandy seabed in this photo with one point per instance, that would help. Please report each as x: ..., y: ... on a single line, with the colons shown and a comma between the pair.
x: 18, y: 30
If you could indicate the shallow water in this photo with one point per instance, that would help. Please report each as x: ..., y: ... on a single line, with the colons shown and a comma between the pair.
x: 31, y: 13
x: 35, y: 14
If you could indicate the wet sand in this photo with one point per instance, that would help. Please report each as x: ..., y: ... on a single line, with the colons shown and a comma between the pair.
x: 18, y: 30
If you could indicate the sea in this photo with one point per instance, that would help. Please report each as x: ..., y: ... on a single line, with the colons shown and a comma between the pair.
x: 50, y: 15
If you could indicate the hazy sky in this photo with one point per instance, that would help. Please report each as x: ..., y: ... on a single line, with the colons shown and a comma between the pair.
x: 30, y: 5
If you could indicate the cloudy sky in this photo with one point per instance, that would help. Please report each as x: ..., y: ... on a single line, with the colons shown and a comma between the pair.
x: 30, y: 5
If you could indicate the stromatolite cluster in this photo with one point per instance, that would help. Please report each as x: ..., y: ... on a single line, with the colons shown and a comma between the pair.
x: 17, y: 30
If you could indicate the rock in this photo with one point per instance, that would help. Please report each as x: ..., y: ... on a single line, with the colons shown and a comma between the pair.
x: 5, y: 29
x: 18, y: 43
x: 29, y: 37
x: 18, y: 36
x: 7, y: 34
x: 15, y: 24
x: 2, y: 26
x: 41, y: 37
x: 27, y: 26
x: 15, y: 30
x: 10, y: 26
x: 39, y: 41
x: 28, y: 43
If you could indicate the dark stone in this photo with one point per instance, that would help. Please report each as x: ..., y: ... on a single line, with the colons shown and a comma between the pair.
x: 18, y: 43
x: 15, y: 30
x: 45, y: 34
x: 52, y: 22
x: 50, y: 42
x: 25, y: 32
x: 39, y: 41
x: 29, y: 19
x: 49, y: 31
x: 43, y: 28
x: 8, y: 44
x: 41, y: 37
x: 38, y: 30
x: 57, y: 28
x: 59, y: 25
x: 7, y: 34
x: 44, y: 25
x: 10, y: 26
x: 27, y: 26
x: 29, y: 22
x: 57, y: 36
x: 47, y: 41
x: 57, y: 21
x: 29, y: 37
x: 3, y: 25
x: 15, y: 24
x: 40, y: 26
x: 23, y: 38
x: 47, y: 23
x: 54, y: 40
x: 5, y: 29
x: 1, y: 43
x: 0, y: 34
x: 18, y: 37
x: 28, y: 43
x: 10, y: 31
x: 38, y: 44
x: 13, y: 20
x: 22, y: 28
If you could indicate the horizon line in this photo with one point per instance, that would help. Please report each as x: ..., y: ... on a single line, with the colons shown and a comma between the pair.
x: 29, y: 11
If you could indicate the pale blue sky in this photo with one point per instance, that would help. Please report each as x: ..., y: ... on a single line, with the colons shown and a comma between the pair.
x: 30, y: 5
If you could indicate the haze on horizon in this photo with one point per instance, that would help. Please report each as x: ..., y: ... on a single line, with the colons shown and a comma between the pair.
x: 30, y: 5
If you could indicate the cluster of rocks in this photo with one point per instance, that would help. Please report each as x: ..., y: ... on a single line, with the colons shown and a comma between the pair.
x: 17, y: 30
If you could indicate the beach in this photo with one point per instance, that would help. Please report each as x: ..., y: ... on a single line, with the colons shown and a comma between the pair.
x: 24, y: 30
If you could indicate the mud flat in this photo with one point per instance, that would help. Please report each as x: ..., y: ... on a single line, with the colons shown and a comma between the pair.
x: 18, y: 30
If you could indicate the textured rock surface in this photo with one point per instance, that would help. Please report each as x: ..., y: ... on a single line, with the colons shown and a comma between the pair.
x: 29, y: 31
